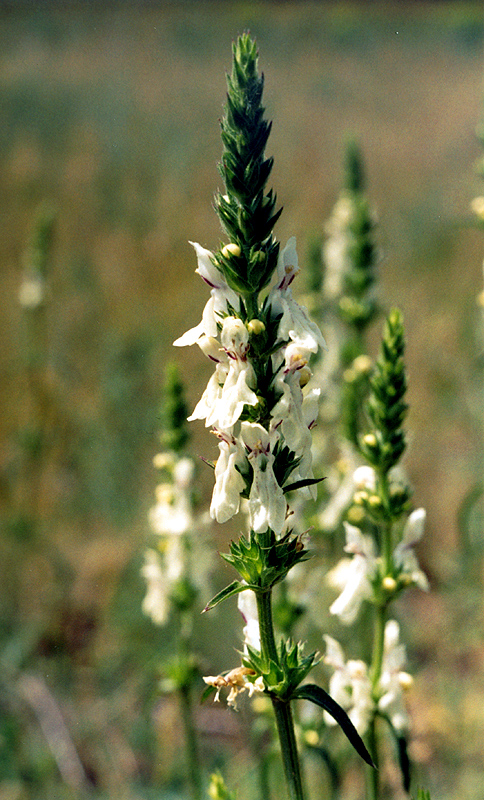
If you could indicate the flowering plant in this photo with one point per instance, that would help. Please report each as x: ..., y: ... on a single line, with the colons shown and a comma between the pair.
x: 260, y: 403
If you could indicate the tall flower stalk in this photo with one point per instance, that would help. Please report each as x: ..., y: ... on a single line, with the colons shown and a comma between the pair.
x: 259, y: 403
x: 381, y: 534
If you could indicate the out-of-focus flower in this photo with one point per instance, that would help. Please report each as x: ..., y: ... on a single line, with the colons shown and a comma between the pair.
x: 350, y: 686
x: 477, y: 207
x: 364, y: 477
x: 404, y: 554
x: 353, y: 577
x: 394, y: 682
x: 155, y: 602
x: 31, y: 293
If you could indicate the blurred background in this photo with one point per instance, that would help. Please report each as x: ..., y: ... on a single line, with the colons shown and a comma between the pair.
x: 110, y: 129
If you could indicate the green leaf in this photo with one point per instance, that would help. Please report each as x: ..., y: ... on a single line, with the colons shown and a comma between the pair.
x: 404, y: 761
x: 233, y: 588
x: 300, y: 484
x: 309, y: 691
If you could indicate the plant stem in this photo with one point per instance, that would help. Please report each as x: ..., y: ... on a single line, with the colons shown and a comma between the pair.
x: 282, y: 708
x: 191, y: 745
x: 373, y: 783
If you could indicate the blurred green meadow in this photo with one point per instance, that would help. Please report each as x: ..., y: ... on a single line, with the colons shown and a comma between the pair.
x: 109, y: 117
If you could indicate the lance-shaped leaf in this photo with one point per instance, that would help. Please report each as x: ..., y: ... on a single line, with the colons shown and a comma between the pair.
x: 309, y: 691
x: 404, y: 761
x: 402, y: 752
x: 301, y: 484
x: 233, y: 588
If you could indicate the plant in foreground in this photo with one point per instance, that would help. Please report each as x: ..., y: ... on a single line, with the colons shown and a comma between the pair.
x: 260, y: 404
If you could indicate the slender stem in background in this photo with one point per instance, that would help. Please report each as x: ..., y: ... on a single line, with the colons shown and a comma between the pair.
x: 191, y: 745
x: 282, y: 709
x: 186, y: 702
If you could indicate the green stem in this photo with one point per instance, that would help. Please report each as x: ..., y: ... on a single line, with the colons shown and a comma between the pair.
x: 282, y: 708
x: 191, y: 744
x: 373, y: 783
x: 186, y: 703
x: 372, y: 775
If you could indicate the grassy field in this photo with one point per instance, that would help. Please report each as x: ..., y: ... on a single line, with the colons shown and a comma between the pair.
x: 111, y: 117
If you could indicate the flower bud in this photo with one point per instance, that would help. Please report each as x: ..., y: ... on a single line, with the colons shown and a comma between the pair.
x: 389, y: 584
x: 405, y: 680
x: 231, y: 250
x: 364, y: 478
x: 363, y: 365
x: 256, y: 326
x: 370, y: 440
x: 311, y: 738
x: 355, y: 515
x: 163, y: 461
x: 374, y: 501
x: 304, y: 376
x: 360, y: 498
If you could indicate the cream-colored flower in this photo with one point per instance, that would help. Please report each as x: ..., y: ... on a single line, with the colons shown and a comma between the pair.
x: 404, y: 553
x: 229, y: 482
x: 295, y: 324
x: 221, y: 298
x: 267, y: 504
x: 353, y: 576
x: 350, y: 686
x: 237, y: 681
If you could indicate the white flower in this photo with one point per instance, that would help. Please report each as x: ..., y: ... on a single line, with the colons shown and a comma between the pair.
x: 155, y: 603
x: 172, y: 513
x: 247, y: 605
x: 221, y: 297
x: 350, y: 686
x: 32, y: 291
x: 295, y: 324
x: 229, y: 482
x: 393, y: 681
x: 228, y: 390
x: 267, y: 505
x: 364, y: 477
x: 183, y: 473
x: 353, y: 577
x: 404, y: 553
